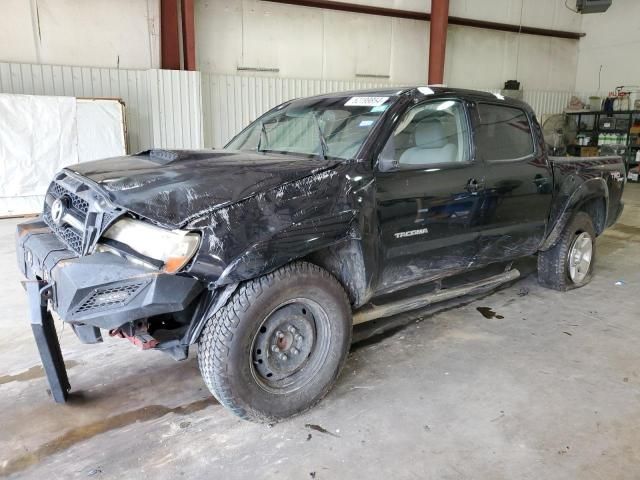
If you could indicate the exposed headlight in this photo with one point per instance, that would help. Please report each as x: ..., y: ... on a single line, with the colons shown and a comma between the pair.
x: 173, y: 248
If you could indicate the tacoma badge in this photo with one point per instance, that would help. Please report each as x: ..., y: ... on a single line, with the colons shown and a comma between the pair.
x: 411, y: 233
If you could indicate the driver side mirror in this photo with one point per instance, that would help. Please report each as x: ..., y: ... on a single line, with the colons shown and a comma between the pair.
x: 386, y: 164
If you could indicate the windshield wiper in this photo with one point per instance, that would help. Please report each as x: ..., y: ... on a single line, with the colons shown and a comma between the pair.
x: 263, y: 132
x: 323, y: 141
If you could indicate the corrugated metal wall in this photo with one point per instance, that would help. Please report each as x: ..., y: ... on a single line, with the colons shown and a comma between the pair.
x: 546, y: 102
x: 178, y: 109
x: 175, y: 104
x: 230, y: 102
x: 163, y: 108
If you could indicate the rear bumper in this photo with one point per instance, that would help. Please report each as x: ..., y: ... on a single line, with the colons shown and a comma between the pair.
x: 102, y: 290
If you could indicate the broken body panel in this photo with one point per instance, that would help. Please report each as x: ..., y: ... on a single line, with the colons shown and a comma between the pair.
x: 377, y: 230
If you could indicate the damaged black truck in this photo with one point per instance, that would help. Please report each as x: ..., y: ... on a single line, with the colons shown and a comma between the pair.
x: 318, y: 216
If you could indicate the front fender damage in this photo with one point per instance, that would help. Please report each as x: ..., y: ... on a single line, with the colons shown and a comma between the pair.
x: 261, y: 233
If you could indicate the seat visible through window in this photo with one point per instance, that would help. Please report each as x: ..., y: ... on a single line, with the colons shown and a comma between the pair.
x: 429, y: 134
x: 431, y: 145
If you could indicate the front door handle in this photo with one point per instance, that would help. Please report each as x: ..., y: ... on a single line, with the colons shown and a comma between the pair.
x: 475, y: 185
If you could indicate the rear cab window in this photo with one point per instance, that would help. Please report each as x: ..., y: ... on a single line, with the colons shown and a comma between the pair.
x: 503, y: 133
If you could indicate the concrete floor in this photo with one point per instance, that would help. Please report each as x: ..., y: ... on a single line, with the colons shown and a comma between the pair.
x: 549, y: 388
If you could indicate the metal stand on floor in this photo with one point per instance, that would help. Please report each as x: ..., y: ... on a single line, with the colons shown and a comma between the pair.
x: 44, y: 332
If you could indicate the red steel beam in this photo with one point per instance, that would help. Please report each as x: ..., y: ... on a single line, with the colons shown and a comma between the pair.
x: 169, y: 35
x: 414, y: 15
x: 438, y: 40
x: 188, y: 35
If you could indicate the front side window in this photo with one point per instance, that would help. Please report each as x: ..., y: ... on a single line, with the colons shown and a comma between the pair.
x: 503, y: 133
x: 429, y: 134
x: 334, y: 127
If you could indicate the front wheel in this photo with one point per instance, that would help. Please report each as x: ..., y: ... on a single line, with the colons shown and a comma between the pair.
x: 569, y: 263
x: 278, y: 345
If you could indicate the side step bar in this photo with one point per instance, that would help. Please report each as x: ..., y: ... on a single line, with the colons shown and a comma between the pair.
x: 371, y: 311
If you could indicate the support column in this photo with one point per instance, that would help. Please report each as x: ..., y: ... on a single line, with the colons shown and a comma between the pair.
x: 438, y: 40
x: 188, y: 35
x: 169, y: 35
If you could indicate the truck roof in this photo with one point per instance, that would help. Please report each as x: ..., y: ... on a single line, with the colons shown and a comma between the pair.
x: 472, y: 95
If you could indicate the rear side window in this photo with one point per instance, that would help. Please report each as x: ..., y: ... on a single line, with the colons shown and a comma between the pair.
x: 504, y: 133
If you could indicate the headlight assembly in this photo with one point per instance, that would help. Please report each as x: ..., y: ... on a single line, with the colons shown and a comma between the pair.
x: 171, y: 248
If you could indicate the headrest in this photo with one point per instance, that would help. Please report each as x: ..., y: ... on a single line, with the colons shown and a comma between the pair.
x: 430, y: 134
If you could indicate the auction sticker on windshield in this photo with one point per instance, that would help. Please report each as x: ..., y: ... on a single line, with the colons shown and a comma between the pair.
x: 365, y: 101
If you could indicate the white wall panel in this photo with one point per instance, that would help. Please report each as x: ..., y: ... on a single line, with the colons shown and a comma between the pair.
x: 17, y: 38
x: 99, y: 33
x: 608, y: 54
x: 304, y: 42
x: 163, y: 107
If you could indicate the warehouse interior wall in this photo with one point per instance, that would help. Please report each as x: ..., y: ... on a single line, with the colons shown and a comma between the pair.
x: 302, y: 42
x: 612, y: 42
x: 95, y: 33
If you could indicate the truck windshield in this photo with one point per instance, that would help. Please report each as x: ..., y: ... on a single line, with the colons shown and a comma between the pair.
x: 333, y: 127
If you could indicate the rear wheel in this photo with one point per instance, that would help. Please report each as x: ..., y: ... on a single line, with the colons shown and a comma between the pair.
x: 278, y: 345
x: 569, y: 263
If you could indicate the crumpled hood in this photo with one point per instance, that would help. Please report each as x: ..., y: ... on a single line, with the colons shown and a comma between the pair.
x: 173, y: 187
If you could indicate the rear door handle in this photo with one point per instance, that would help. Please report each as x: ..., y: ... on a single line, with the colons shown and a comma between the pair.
x: 474, y: 185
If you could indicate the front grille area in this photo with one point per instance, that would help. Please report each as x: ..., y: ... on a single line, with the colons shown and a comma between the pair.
x: 79, y: 198
x: 107, y: 298
x: 77, y: 203
x: 68, y: 235
x: 72, y: 237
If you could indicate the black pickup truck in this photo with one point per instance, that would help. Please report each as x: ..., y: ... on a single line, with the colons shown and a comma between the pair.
x: 316, y: 217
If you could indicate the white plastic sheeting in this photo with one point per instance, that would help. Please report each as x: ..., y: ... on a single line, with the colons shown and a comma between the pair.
x: 101, y: 132
x: 39, y: 135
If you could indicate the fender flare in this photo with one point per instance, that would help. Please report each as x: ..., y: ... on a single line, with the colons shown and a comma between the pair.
x: 566, y: 206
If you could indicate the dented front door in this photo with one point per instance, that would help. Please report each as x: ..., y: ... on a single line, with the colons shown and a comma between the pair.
x: 429, y: 223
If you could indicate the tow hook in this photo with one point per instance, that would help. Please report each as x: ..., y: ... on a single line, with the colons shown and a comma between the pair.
x: 140, y: 339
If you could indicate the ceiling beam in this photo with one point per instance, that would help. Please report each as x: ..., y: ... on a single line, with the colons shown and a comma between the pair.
x: 414, y: 15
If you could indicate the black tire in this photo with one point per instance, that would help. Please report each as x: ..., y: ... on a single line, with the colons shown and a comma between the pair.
x: 299, y: 295
x: 553, y: 264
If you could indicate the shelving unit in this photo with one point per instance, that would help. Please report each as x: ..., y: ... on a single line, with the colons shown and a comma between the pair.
x: 617, y: 133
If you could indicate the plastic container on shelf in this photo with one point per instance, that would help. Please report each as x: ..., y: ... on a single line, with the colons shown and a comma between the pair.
x: 595, y: 103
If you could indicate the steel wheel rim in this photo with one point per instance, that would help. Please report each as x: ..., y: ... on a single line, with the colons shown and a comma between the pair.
x: 290, y: 346
x: 580, y: 257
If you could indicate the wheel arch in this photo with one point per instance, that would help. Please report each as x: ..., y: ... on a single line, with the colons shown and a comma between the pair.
x: 346, y: 262
x: 591, y: 196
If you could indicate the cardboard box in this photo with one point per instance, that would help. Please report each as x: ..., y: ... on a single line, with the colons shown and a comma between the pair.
x: 588, y: 151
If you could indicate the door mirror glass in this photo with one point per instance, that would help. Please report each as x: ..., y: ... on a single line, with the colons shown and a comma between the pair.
x: 387, y: 161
